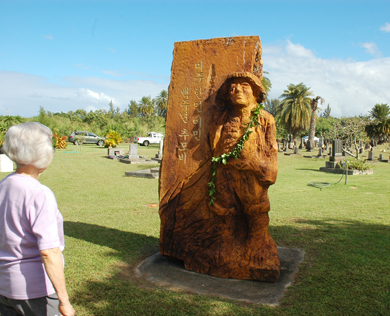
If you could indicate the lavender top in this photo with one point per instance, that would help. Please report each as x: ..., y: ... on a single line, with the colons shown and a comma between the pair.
x: 29, y: 222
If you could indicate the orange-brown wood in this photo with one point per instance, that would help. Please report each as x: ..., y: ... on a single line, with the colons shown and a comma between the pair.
x: 206, y: 117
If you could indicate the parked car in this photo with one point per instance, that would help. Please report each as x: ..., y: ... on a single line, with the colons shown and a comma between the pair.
x: 306, y: 138
x: 153, y: 138
x: 89, y: 138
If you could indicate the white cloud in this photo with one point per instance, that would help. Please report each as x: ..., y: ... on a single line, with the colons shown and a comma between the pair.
x: 113, y: 73
x: 350, y: 87
x: 92, y: 96
x: 49, y: 37
x: 23, y: 94
x: 385, y: 28
x: 371, y: 48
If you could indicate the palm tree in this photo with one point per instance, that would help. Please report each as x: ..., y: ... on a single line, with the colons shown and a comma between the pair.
x: 326, y: 113
x: 146, y: 106
x: 294, y: 111
x: 271, y: 105
x: 379, y: 128
x: 266, y: 83
x: 162, y: 103
x: 313, y: 118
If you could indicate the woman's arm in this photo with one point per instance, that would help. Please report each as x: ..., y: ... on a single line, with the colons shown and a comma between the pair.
x: 52, y: 259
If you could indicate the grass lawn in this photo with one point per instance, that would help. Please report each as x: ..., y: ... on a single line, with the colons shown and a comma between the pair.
x: 110, y: 226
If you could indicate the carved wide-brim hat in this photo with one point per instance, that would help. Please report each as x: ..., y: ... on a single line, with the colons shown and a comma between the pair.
x: 253, y: 80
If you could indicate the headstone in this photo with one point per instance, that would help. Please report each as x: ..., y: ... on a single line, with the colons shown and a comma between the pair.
x: 284, y: 144
x: 230, y: 238
x: 367, y: 146
x: 321, y: 142
x: 160, y: 152
x: 133, y: 151
x: 371, y: 155
x: 330, y: 151
x: 320, y: 152
x: 308, y: 146
x: 361, y: 150
x: 301, y: 144
x: 296, y: 150
x: 279, y: 147
x: 380, y: 157
x: 337, y: 149
x: 115, y: 152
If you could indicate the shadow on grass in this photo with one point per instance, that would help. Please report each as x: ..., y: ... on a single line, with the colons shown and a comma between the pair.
x: 346, y: 271
x: 308, y: 169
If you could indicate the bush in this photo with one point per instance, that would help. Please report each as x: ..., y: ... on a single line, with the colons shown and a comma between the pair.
x: 60, y: 142
x: 354, y: 163
x: 113, y: 139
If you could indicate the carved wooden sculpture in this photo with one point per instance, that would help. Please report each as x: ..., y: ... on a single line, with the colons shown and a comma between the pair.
x: 229, y: 238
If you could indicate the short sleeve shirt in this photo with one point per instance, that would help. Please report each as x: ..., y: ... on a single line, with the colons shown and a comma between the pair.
x: 29, y: 222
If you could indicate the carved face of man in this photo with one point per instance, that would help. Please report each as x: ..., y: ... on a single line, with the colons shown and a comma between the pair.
x: 241, y: 92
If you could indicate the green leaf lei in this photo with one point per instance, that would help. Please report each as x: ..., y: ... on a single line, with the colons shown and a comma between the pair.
x: 235, y: 153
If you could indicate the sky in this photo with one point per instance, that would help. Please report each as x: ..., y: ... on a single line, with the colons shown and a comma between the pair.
x: 69, y: 55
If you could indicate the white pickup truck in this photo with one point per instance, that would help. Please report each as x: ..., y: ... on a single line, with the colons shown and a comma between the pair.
x: 153, y: 138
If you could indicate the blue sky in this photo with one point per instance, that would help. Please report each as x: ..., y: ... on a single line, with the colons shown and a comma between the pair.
x: 67, y: 55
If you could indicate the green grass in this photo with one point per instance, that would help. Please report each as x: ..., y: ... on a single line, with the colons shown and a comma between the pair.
x: 110, y: 227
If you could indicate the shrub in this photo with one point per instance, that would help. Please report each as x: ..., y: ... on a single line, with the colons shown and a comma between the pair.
x: 113, y: 139
x: 60, y: 142
x: 354, y: 163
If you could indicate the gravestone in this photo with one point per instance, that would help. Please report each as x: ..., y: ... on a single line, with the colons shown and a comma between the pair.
x: 301, y: 144
x: 296, y: 150
x: 133, y: 151
x: 380, y: 157
x: 321, y: 142
x: 284, y: 144
x: 337, y: 150
x: 309, y: 146
x: 320, y: 152
x: 160, y: 152
x: 115, y: 152
x: 371, y: 155
x: 230, y: 238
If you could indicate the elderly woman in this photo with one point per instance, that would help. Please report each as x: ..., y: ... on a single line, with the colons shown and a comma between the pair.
x: 32, y: 280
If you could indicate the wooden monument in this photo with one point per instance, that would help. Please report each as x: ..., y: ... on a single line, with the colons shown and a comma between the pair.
x: 213, y: 95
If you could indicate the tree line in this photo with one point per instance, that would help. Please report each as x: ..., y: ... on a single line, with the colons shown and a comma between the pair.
x: 140, y: 117
x: 296, y: 112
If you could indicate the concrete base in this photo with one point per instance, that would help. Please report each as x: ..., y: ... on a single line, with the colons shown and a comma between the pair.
x: 136, y: 161
x: 152, y: 173
x: 351, y: 172
x: 320, y: 157
x: 171, y: 273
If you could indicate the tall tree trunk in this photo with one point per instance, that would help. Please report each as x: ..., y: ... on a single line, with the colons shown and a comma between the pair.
x: 313, y: 119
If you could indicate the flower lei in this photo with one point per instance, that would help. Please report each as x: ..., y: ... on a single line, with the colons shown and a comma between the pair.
x: 235, y: 153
